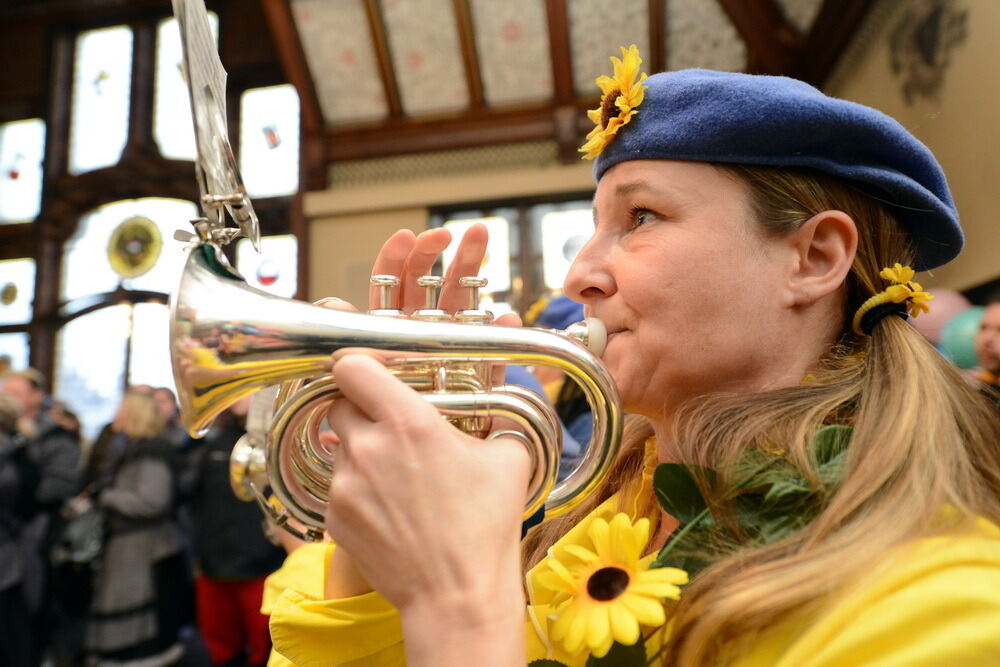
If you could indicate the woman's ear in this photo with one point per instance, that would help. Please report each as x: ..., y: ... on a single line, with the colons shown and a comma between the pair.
x: 823, y: 252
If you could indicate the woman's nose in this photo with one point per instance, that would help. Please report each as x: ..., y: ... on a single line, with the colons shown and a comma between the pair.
x: 589, y: 276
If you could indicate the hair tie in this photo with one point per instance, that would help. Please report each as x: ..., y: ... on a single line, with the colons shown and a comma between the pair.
x: 903, y: 297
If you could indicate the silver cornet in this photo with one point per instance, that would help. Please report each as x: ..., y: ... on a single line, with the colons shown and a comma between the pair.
x: 229, y: 340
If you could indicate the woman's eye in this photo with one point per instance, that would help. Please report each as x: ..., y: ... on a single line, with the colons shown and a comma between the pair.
x: 640, y: 216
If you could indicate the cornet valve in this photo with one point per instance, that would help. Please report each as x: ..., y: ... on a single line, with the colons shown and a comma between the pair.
x: 430, y: 312
x: 473, y: 315
x: 385, y: 284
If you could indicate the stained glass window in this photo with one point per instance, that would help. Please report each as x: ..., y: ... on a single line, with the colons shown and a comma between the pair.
x: 87, y: 268
x: 15, y: 346
x: 149, y: 359
x: 102, y: 81
x: 269, y: 140
x: 22, y: 149
x: 172, y: 126
x: 90, y: 362
x: 496, y: 264
x: 275, y: 269
x: 17, y: 290
x: 563, y: 234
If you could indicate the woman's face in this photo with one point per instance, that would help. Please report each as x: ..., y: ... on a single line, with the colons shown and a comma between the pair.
x: 988, y: 339
x: 692, y: 293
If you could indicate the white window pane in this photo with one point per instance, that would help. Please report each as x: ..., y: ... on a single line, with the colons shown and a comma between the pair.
x: 269, y: 141
x: 17, y: 290
x: 90, y: 362
x: 102, y: 80
x: 149, y: 361
x: 15, y: 346
x: 496, y: 264
x: 86, y: 269
x: 22, y: 150
x: 275, y: 269
x: 173, y: 129
x: 563, y: 234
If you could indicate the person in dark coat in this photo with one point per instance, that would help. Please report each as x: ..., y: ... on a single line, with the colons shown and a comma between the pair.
x: 232, y: 555
x: 18, y: 479
x: 53, y: 592
x: 139, y: 592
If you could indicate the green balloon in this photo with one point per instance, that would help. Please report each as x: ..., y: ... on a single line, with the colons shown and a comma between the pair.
x: 958, y: 337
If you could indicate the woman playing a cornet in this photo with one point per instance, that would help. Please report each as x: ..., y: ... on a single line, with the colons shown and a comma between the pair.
x: 833, y: 484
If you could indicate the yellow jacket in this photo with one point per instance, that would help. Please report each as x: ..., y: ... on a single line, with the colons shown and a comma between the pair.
x: 303, y: 571
x: 936, y: 604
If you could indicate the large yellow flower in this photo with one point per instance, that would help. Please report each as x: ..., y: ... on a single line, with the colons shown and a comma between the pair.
x: 604, y: 593
x: 620, y: 95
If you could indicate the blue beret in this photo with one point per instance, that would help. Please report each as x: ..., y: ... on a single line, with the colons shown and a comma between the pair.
x: 559, y: 313
x: 707, y: 116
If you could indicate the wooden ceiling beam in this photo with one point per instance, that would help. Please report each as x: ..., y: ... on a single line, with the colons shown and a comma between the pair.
x: 771, y: 40
x: 657, y: 14
x: 565, y: 115
x: 560, y: 51
x: 831, y: 32
x: 484, y: 128
x: 285, y: 34
x: 470, y: 57
x: 380, y: 40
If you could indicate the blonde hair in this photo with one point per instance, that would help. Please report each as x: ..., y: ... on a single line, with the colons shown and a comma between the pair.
x: 141, y: 418
x: 922, y: 440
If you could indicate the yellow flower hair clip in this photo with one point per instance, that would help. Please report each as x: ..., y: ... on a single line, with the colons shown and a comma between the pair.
x: 620, y: 95
x: 903, y: 297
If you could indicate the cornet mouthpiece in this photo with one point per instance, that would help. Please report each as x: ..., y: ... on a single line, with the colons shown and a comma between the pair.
x: 591, y: 333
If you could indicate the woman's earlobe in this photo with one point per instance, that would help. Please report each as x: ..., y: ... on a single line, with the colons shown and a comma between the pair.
x: 825, y: 246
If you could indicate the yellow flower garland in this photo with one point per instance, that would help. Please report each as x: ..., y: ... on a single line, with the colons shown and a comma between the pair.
x: 620, y: 95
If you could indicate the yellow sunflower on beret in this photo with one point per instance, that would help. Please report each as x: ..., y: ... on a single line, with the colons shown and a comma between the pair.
x: 606, y: 592
x: 620, y: 95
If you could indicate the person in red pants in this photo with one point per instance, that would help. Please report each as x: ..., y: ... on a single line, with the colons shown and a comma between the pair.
x: 232, y: 556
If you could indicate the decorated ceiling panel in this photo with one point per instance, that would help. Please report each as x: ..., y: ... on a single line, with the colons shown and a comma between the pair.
x: 597, y: 30
x: 340, y: 52
x: 394, y: 77
x: 512, y: 42
x: 699, y: 34
x: 426, y: 55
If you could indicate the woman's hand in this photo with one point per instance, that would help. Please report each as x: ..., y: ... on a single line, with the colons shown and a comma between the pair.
x: 423, y: 508
x: 427, y: 514
x: 431, y: 517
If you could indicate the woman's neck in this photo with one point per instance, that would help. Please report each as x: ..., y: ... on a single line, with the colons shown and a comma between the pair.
x: 666, y: 449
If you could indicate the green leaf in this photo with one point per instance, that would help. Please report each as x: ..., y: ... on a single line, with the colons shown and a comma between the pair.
x: 677, y: 491
x: 830, y: 442
x: 786, y: 490
x: 621, y: 656
x: 547, y: 663
x: 780, y: 527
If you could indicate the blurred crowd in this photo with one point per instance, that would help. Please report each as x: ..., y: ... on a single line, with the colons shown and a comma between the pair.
x: 134, y: 550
